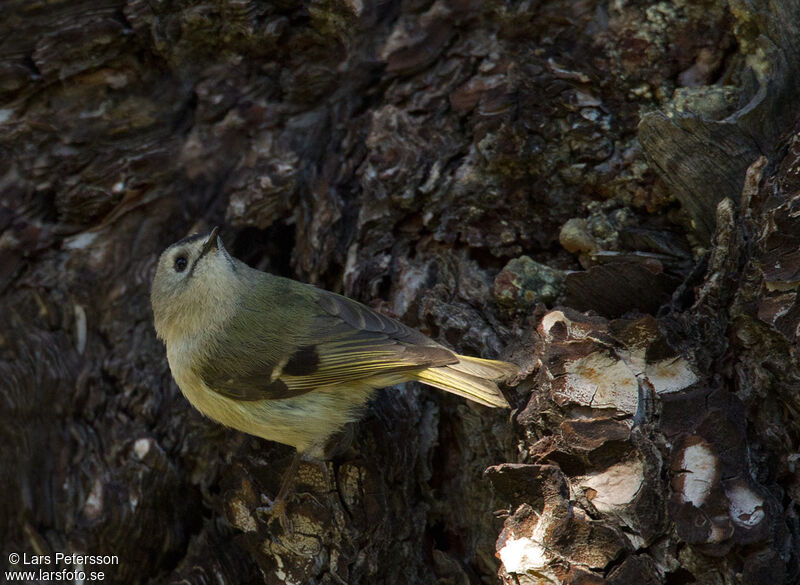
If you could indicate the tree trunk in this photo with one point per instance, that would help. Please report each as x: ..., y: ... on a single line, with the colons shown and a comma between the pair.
x: 602, y: 192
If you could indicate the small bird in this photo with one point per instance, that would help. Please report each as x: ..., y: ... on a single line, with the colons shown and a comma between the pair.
x: 287, y: 361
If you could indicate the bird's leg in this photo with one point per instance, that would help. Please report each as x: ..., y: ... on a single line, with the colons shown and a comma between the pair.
x: 316, y: 455
x: 277, y: 506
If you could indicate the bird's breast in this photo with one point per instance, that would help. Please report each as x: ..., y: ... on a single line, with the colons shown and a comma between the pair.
x: 181, y: 358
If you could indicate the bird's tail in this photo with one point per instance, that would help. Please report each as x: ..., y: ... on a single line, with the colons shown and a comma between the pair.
x: 472, y: 378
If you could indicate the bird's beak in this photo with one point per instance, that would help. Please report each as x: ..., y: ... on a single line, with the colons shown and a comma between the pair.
x: 212, y: 243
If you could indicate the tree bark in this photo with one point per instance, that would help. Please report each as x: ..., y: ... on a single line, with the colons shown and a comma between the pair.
x: 602, y: 192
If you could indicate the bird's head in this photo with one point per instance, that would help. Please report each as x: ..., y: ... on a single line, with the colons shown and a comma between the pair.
x: 194, y: 278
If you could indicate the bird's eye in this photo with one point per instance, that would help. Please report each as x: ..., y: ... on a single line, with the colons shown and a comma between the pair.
x: 181, y: 263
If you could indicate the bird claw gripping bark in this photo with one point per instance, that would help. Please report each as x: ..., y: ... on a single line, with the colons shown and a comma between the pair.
x: 275, y: 509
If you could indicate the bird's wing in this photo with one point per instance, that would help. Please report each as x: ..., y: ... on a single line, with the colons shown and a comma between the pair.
x: 344, y: 342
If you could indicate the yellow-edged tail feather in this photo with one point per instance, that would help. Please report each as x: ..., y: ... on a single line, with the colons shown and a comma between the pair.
x: 472, y: 378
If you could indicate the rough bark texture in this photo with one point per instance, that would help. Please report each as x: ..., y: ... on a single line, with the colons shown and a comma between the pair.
x: 603, y: 191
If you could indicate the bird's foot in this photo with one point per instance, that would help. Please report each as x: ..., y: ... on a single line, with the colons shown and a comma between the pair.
x: 275, y: 509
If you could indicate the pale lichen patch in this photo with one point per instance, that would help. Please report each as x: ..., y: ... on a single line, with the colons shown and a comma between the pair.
x: 615, y: 486
x: 670, y: 375
x: 141, y: 448
x: 94, y: 503
x: 746, y: 506
x: 700, y: 468
x: 521, y: 555
x: 599, y: 381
